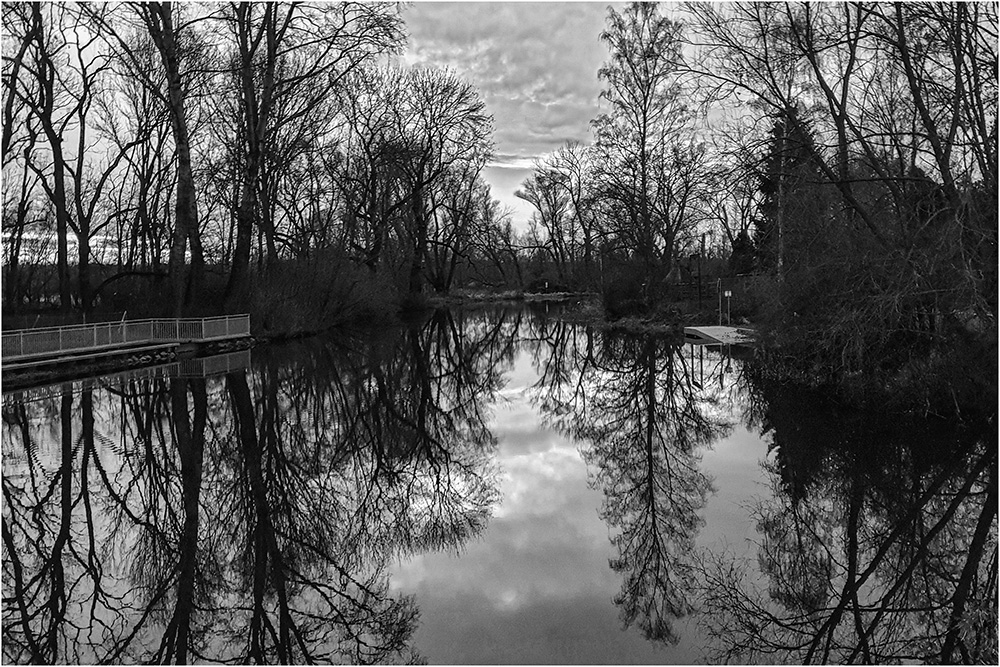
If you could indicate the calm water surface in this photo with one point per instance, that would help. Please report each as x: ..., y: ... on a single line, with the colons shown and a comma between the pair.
x: 491, y: 487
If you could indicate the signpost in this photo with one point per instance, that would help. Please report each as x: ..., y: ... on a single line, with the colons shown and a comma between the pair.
x: 700, y: 255
x: 718, y: 288
x: 729, y: 312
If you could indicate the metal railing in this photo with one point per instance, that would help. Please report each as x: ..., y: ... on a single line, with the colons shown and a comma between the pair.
x: 54, y: 340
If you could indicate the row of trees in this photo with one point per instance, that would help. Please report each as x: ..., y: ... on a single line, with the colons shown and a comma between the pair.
x: 211, y: 143
x: 875, y: 145
x: 854, y: 165
x: 636, y: 195
x: 846, y: 153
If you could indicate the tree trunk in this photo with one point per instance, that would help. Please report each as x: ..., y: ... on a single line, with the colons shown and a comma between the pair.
x: 159, y: 21
x: 83, y: 270
x: 419, y: 243
x: 185, y: 213
x: 62, y: 225
x: 238, y: 288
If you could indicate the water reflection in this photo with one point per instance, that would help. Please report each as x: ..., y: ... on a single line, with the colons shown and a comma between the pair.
x: 250, y: 517
x: 878, y: 542
x: 642, y: 410
x: 258, y: 516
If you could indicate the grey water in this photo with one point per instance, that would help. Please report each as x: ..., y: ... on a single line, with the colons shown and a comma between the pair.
x: 495, y: 486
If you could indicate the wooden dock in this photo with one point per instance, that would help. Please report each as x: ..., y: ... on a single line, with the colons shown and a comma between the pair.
x: 719, y: 335
x: 34, y: 348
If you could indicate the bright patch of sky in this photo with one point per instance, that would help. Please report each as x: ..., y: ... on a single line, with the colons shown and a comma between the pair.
x: 535, y: 65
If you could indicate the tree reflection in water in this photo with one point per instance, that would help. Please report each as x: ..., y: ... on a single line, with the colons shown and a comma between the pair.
x: 642, y: 412
x: 249, y: 518
x: 253, y: 517
x: 878, y: 544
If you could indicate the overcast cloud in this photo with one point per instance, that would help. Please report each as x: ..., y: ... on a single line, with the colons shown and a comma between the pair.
x: 535, y: 65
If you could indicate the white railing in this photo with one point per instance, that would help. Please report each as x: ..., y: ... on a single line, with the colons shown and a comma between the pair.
x: 53, y: 340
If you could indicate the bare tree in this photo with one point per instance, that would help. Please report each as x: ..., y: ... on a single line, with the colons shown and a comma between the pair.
x: 443, y: 123
x: 648, y: 154
x: 906, y: 247
x: 171, y: 34
x: 575, y: 164
x: 51, y: 105
x: 544, y: 191
x: 289, y: 59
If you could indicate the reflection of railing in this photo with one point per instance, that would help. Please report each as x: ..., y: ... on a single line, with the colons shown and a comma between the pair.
x: 30, y: 343
x: 185, y: 368
x: 215, y: 365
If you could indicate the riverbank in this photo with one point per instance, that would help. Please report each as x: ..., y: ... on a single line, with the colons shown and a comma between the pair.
x: 588, y: 309
x: 952, y: 380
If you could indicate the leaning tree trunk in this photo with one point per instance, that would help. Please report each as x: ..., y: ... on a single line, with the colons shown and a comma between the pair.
x: 159, y: 21
x: 238, y: 288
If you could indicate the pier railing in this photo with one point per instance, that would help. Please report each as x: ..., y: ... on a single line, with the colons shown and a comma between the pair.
x: 27, y: 343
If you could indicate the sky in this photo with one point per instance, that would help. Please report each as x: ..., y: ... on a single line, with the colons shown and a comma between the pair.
x: 535, y: 65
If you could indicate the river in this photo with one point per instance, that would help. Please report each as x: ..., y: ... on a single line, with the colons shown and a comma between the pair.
x: 490, y: 486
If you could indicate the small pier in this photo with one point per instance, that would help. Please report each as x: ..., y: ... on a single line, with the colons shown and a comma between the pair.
x: 719, y: 335
x: 31, y: 349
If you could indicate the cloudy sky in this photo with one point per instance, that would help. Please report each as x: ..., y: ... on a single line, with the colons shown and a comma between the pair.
x: 535, y: 65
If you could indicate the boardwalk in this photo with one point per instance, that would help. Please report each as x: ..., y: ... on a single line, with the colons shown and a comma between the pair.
x: 32, y: 347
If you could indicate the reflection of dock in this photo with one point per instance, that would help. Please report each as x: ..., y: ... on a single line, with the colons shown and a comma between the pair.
x: 719, y: 335
x: 83, y: 343
x: 185, y: 368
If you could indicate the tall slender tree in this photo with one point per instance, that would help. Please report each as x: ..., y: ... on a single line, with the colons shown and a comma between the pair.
x: 643, y: 141
x: 289, y: 59
x: 166, y: 31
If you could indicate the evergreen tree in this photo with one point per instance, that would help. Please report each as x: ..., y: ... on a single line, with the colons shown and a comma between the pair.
x: 793, y: 201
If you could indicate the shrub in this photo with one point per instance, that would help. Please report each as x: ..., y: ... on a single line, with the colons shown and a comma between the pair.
x: 622, y: 292
x: 305, y: 296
